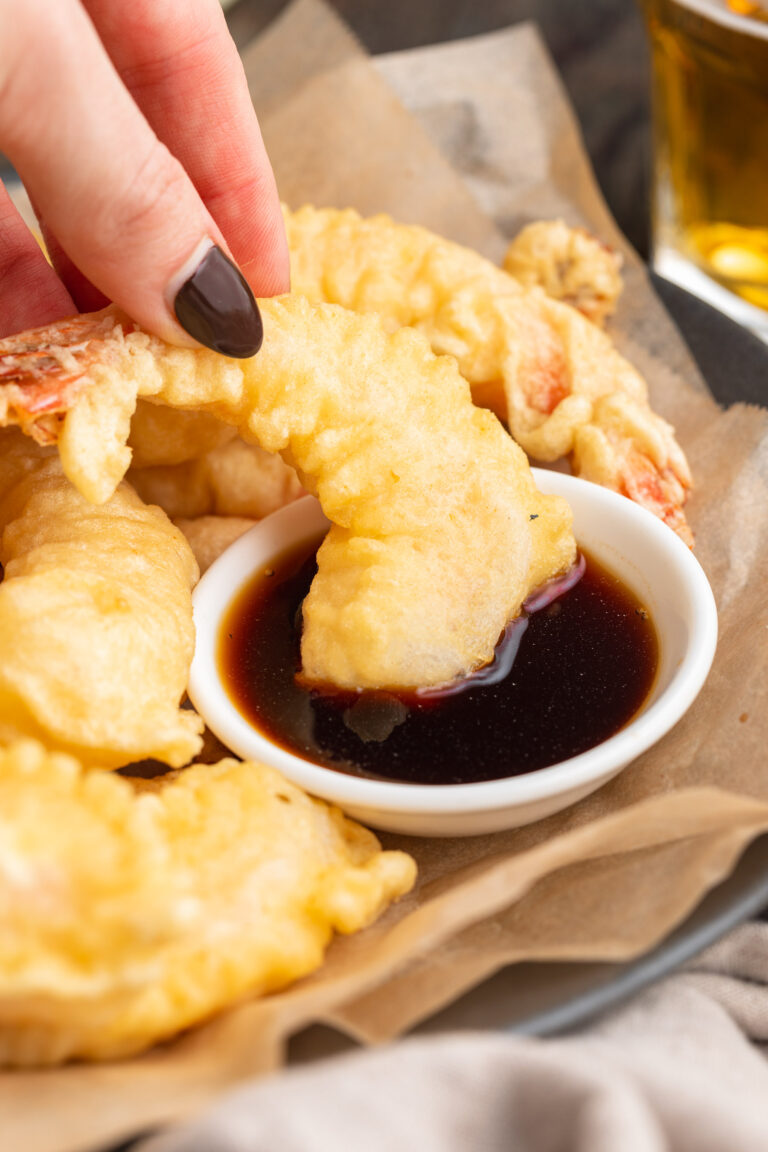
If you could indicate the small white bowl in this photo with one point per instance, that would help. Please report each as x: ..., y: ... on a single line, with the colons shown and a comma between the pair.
x: 642, y: 551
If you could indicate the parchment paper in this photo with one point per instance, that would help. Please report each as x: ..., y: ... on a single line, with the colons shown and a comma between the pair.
x: 611, y: 876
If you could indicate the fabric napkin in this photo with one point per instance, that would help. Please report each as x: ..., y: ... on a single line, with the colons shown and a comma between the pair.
x: 679, y: 1069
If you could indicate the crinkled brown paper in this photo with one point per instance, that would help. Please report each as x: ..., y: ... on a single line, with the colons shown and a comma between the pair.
x: 611, y: 876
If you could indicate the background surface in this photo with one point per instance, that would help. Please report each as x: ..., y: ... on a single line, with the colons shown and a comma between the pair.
x: 599, y: 48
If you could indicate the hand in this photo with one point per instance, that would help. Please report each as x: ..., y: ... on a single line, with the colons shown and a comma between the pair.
x: 131, y: 126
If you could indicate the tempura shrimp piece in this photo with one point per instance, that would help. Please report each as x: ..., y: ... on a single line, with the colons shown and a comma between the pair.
x: 538, y: 363
x: 95, y: 617
x: 36, y: 398
x: 235, y: 479
x: 439, y: 532
x: 129, y: 915
x: 570, y: 265
x: 618, y: 449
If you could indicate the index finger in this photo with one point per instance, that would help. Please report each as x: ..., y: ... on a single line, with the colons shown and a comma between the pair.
x: 182, y: 68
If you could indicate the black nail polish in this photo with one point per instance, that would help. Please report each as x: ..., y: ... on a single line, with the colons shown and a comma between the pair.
x: 218, y: 309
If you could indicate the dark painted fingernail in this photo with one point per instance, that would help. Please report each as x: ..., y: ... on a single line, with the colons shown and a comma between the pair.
x: 217, y: 308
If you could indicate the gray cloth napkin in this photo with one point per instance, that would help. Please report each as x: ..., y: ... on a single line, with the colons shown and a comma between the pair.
x: 679, y: 1069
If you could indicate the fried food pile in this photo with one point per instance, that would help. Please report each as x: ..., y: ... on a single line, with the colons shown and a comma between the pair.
x: 438, y: 531
x: 95, y: 617
x: 128, y: 915
x: 550, y: 374
x: 131, y: 911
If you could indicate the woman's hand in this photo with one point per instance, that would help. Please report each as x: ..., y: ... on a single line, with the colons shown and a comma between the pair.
x: 133, y: 131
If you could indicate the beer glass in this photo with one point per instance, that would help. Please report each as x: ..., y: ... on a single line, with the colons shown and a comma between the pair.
x: 710, y: 129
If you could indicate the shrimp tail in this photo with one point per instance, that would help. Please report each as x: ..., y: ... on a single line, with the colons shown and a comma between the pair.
x: 630, y: 449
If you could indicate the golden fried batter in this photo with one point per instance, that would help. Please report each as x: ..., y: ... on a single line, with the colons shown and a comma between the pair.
x: 95, y: 617
x: 439, y: 531
x: 535, y: 361
x: 130, y: 916
x: 161, y: 436
x: 569, y: 264
x: 209, y: 536
x: 234, y: 479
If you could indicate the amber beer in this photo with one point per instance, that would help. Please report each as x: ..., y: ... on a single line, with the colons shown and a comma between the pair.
x: 710, y: 96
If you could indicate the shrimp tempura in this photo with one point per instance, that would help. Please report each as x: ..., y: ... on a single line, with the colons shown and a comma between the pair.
x: 570, y: 265
x: 555, y: 378
x: 439, y: 532
x: 95, y: 618
x: 129, y: 915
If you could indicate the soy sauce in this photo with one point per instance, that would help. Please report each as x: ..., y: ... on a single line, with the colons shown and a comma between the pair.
x: 567, y: 675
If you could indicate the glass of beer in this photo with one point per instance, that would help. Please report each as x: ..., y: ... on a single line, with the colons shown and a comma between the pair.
x: 710, y: 127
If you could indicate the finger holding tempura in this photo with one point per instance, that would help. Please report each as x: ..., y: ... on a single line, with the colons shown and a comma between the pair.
x: 129, y: 915
x: 439, y: 532
x: 95, y: 617
x: 570, y: 265
x: 538, y: 363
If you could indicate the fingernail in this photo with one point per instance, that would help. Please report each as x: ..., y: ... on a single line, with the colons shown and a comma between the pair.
x: 217, y: 308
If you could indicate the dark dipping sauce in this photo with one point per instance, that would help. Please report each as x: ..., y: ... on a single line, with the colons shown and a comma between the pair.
x: 566, y: 676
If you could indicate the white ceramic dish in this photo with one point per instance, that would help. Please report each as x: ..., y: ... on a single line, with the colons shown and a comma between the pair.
x: 641, y: 550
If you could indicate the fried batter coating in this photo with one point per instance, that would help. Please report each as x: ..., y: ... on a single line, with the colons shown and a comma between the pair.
x: 128, y: 916
x: 192, y: 465
x: 535, y: 361
x: 439, y: 531
x: 235, y: 479
x: 95, y: 617
x: 209, y: 536
x: 161, y: 436
x: 570, y: 265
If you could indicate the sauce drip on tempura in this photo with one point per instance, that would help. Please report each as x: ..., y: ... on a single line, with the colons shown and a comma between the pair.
x: 571, y: 671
